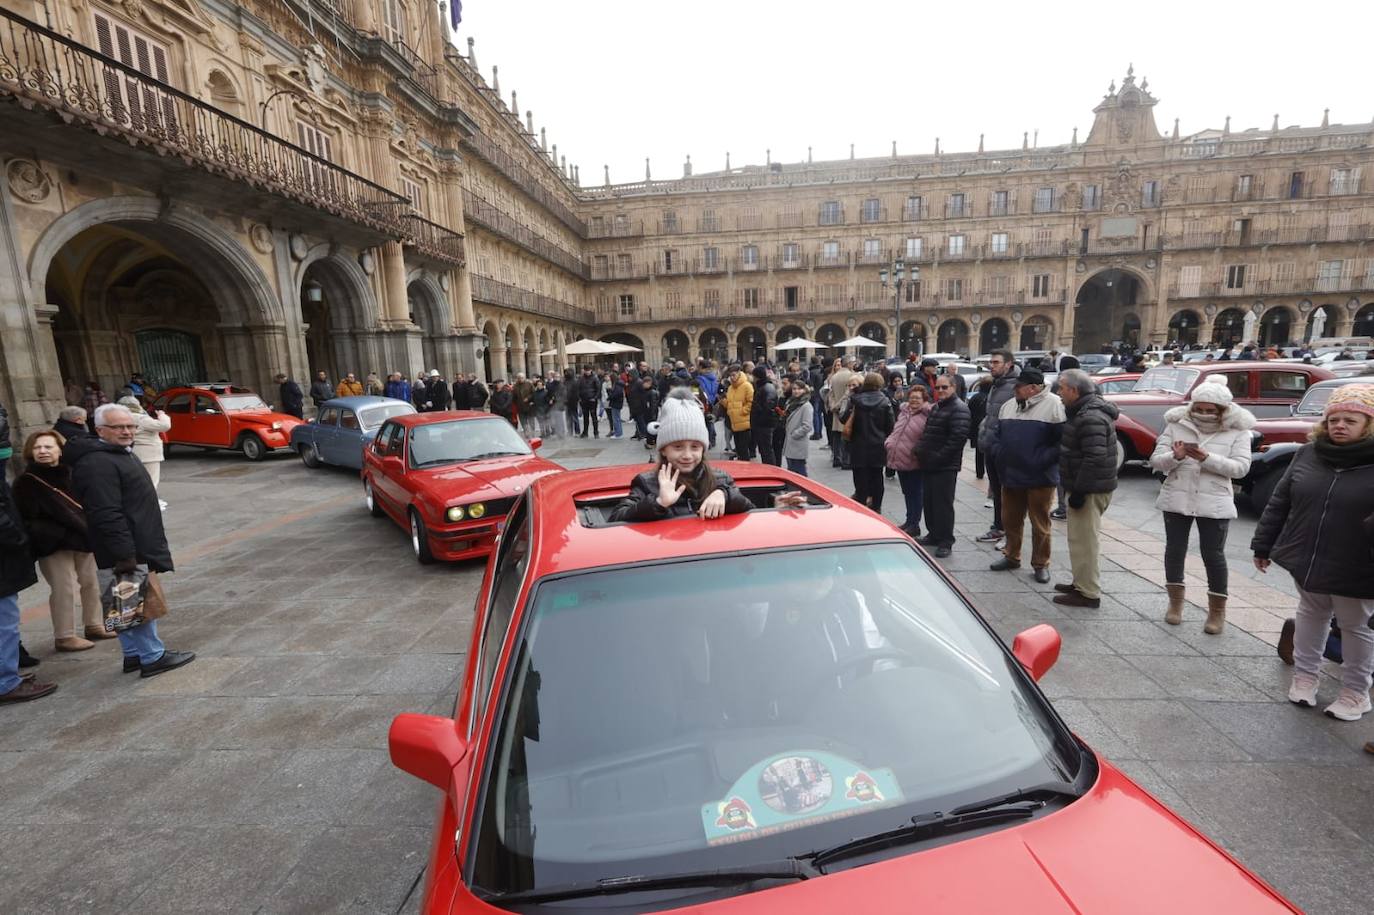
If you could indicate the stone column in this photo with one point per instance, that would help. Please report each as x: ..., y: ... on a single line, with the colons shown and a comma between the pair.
x: 517, y: 359
x: 395, y: 308
x: 497, y: 353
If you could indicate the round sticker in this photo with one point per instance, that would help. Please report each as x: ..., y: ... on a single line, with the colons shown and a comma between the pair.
x: 795, y: 785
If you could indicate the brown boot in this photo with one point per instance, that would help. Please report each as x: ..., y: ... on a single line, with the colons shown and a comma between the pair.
x: 72, y: 643
x: 1216, y: 614
x: 96, y: 633
x: 1174, y: 615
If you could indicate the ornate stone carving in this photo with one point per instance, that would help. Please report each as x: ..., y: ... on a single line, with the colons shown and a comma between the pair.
x: 261, y: 237
x: 28, y: 182
x: 299, y: 247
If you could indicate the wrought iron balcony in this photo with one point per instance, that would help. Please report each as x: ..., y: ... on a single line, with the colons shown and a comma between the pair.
x: 431, y: 240
x: 509, y: 166
x: 494, y: 292
x: 615, y: 228
x: 41, y: 70
x: 494, y: 220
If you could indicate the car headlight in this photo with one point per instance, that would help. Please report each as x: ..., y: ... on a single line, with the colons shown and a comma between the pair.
x: 455, y: 513
x: 276, y: 426
x: 476, y: 510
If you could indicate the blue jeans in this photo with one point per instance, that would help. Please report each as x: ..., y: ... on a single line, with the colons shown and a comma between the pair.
x: 142, y: 642
x: 614, y: 414
x: 797, y: 466
x: 816, y: 416
x: 9, y: 642
x: 913, y: 493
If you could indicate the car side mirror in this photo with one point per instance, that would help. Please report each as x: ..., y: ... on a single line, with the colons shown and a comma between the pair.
x: 536, y: 444
x: 426, y: 746
x: 1037, y: 648
x: 1292, y: 409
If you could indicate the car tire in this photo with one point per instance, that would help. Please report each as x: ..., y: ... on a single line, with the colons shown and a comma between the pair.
x: 310, y: 456
x: 419, y: 539
x: 1262, y: 489
x: 252, y: 447
x: 1123, y: 453
x: 370, y: 500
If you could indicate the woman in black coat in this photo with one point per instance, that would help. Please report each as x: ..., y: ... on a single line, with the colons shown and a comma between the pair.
x: 871, y: 412
x: 1319, y: 526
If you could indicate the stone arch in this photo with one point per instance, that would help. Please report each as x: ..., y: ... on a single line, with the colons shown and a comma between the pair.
x: 428, y: 310
x: 676, y: 346
x: 751, y: 344
x: 1364, y: 322
x: 713, y: 344
x: 1228, y: 328
x: 830, y: 334
x: 493, y: 354
x: 531, y: 365
x: 952, y: 337
x: 1276, y: 326
x: 1333, y: 320
x: 995, y: 333
x: 911, y: 339
x: 510, y: 342
x: 1184, y: 327
x: 1102, y: 303
x: 789, y: 332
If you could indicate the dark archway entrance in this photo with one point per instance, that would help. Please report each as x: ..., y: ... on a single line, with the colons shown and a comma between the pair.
x: 1364, y: 322
x: 1229, y: 327
x: 953, y: 337
x: 830, y: 334
x: 169, y: 357
x: 676, y: 346
x: 1035, y: 333
x: 715, y: 346
x: 913, y: 338
x: 994, y: 334
x: 1105, y: 302
x: 1276, y: 327
x: 752, y: 345
x: 1183, y: 328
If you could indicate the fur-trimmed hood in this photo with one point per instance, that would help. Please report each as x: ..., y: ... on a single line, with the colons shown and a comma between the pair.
x: 1236, y: 418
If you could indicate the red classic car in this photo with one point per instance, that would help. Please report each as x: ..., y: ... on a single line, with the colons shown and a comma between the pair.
x: 787, y: 710
x: 1264, y: 388
x: 224, y: 416
x: 449, y: 478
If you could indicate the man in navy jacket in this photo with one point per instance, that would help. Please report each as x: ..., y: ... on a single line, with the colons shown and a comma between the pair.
x: 1025, y: 450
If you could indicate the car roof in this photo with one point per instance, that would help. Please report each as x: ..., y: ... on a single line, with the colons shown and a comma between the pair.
x: 361, y: 401
x: 421, y: 419
x: 566, y: 542
x: 208, y: 387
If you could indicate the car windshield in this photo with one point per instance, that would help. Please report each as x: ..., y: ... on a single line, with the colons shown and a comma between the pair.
x: 740, y: 709
x: 463, y: 440
x: 372, y: 417
x: 1314, y: 401
x: 235, y: 403
x: 1171, y: 378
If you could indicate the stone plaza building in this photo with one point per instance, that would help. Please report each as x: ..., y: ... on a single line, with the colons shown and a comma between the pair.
x: 204, y: 189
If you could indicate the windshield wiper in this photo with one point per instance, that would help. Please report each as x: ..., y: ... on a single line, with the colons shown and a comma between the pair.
x: 787, y: 869
x: 1015, y: 805
x: 437, y: 461
x: 491, y: 454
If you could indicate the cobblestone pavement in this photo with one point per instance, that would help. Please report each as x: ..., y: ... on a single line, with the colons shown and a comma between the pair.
x: 257, y: 778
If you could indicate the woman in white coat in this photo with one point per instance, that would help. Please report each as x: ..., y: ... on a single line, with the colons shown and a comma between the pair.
x: 1205, y: 445
x: 148, y: 440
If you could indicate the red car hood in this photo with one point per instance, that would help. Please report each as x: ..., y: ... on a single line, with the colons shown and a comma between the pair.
x: 1285, y: 429
x: 491, y: 478
x: 265, y: 417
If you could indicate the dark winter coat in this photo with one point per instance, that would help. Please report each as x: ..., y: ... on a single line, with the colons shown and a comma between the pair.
x: 588, y: 389
x: 70, y: 430
x: 872, y: 414
x: 977, y: 412
x: 1319, y: 523
x: 292, y: 400
x: 320, y: 391
x: 16, y: 562
x: 1088, y: 448
x: 6, y: 449
x: 477, y: 396
x: 1003, y: 390
x: 502, y: 403
x: 122, y: 515
x: 763, y: 412
x: 53, y: 523
x: 399, y: 390
x: 642, y: 502
x: 942, y: 444
x: 615, y: 399
x: 438, y: 394
x: 462, y: 395
x: 1025, y: 442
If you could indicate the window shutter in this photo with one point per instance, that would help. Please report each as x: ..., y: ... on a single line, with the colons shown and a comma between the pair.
x: 105, y: 39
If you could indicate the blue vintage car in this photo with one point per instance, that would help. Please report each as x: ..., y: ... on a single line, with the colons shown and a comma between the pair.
x: 337, y: 433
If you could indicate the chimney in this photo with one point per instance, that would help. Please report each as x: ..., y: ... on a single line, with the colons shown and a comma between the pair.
x: 1025, y: 139
x: 894, y: 149
x: 1276, y: 124
x: 1074, y: 141
x: 563, y: 165
x: 554, y: 156
x: 768, y: 157
x: 577, y: 175
x: 851, y: 150
x: 727, y: 160
x: 937, y: 146
x: 1226, y: 130
x: 808, y: 155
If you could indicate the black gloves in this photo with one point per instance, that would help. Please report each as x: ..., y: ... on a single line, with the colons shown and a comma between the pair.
x: 1077, y: 500
x: 126, y: 566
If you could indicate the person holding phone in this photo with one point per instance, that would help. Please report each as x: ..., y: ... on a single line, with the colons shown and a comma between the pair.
x: 1204, y: 447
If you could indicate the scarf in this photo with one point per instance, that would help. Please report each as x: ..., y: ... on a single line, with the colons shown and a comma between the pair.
x: 796, y: 403
x: 1343, y: 457
x: 1205, y: 424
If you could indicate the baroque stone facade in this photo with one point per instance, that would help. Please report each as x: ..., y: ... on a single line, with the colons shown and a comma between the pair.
x: 201, y: 189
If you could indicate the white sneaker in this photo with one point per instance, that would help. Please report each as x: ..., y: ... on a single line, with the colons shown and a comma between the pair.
x: 1350, y: 705
x: 987, y: 504
x: 1304, y: 690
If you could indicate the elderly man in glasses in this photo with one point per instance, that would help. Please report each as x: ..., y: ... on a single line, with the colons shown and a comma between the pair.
x: 125, y: 530
x: 941, y: 454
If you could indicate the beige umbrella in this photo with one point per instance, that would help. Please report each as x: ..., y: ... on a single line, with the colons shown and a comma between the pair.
x: 587, y: 347
x: 858, y: 341
x: 799, y: 343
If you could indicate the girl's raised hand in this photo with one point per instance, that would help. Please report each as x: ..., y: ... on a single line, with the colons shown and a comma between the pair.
x: 668, y: 489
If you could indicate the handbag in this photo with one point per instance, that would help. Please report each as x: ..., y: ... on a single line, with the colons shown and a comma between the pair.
x: 848, y: 430
x: 122, y: 601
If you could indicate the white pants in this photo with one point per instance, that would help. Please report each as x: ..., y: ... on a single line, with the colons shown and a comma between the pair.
x: 154, y: 469
x: 1357, y: 639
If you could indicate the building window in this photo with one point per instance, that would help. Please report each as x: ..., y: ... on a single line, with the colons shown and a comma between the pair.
x: 1040, y: 286
x: 1329, y: 275
x: 830, y: 294
x: 954, y: 290
x: 669, y: 260
x: 600, y: 265
x: 622, y: 224
x: 1000, y: 242
x: 914, y: 208
x: 1149, y: 194
x: 1235, y: 276
x: 955, y: 206
x: 791, y: 255
x: 1244, y: 183
x: 871, y: 291
x: 623, y: 265
x: 314, y: 140
x: 913, y: 249
x: 1189, y: 281
x: 872, y: 211
x: 1092, y: 197
x: 669, y: 221
x: 791, y: 297
x: 749, y: 257
x: 711, y: 258
x: 790, y: 217
x: 830, y: 252
x: 1296, y: 183
x: 1284, y: 272
x: 1044, y: 200
x: 710, y: 222
x: 627, y: 306
x: 711, y: 298
x: 1345, y: 181
x: 749, y: 299
x: 394, y: 21
x: 749, y: 218
x: 672, y: 299
x: 1043, y: 239
x: 830, y: 213
x: 912, y: 290
x: 873, y: 249
x: 1000, y: 205
x: 954, y: 245
x: 997, y: 286
x: 598, y: 226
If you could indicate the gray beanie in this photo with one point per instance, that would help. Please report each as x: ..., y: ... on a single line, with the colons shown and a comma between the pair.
x: 680, y: 419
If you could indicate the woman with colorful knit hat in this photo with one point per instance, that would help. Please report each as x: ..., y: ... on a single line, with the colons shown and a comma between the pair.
x: 1204, y: 447
x: 1319, y: 526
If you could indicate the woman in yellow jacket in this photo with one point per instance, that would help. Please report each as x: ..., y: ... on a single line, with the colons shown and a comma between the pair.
x: 739, y: 400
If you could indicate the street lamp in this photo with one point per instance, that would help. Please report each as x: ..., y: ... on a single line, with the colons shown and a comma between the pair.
x: 897, y: 275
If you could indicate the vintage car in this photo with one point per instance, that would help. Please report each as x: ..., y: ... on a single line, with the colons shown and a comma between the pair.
x: 1264, y: 388
x: 1117, y: 384
x: 448, y: 479
x: 791, y: 710
x: 341, y: 427
x: 1276, y: 440
x: 224, y: 416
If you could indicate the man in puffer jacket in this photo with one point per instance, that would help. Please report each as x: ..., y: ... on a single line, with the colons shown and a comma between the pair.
x: 1004, y: 370
x: 1088, y: 461
x: 1025, y: 451
x: 941, y: 453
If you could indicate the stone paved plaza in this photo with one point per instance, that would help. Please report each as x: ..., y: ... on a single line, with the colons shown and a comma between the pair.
x: 257, y: 778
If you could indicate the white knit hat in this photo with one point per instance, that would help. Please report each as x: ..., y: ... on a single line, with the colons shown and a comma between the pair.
x: 680, y: 419
x: 1212, y: 390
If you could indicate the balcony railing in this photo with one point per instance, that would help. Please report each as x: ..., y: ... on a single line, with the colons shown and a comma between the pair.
x: 1002, y: 208
x: 871, y: 214
x: 791, y: 260
x: 625, y: 270
x: 423, y: 75
x: 494, y: 292
x: 872, y: 257
x: 42, y: 69
x: 708, y: 224
x: 487, y: 215
x: 434, y: 241
x: 913, y: 213
x: 957, y: 209
x: 830, y: 216
x: 841, y: 259
x: 509, y: 166
x: 629, y: 228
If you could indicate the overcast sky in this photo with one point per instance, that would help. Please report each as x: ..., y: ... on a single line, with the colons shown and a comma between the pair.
x: 615, y: 81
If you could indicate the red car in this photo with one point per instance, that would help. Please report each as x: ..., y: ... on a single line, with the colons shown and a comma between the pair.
x: 738, y: 715
x: 225, y: 416
x: 1123, y: 383
x: 1264, y: 388
x: 449, y: 479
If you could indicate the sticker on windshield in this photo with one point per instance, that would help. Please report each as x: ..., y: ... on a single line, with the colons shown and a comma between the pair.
x: 793, y: 790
